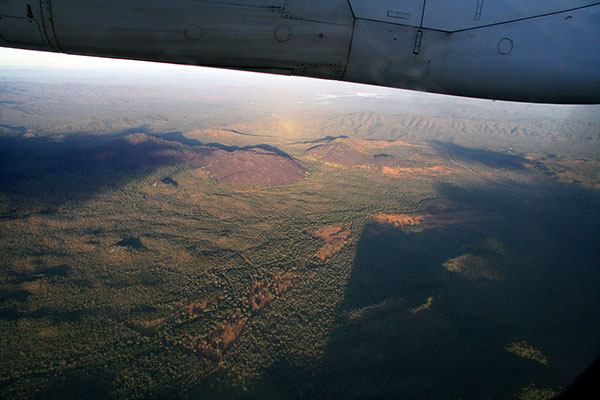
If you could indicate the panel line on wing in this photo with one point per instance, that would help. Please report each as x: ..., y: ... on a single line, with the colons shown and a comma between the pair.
x: 48, y: 25
x: 519, y: 19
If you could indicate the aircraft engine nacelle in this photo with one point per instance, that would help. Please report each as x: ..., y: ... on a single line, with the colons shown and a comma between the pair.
x: 547, y: 51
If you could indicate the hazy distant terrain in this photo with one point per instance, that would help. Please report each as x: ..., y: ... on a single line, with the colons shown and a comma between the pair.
x: 213, y: 239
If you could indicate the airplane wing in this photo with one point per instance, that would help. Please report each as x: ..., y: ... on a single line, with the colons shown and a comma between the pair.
x: 498, y: 49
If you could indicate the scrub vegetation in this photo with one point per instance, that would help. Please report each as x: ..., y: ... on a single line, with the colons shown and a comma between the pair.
x: 354, y: 255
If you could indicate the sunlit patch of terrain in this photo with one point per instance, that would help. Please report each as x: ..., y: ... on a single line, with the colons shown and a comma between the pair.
x: 358, y: 313
x: 400, y: 219
x: 423, y: 306
x: 525, y: 350
x: 472, y: 266
x: 434, y: 171
x: 335, y: 237
x: 532, y: 392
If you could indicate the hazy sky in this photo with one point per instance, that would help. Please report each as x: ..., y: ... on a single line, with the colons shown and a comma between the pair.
x: 169, y: 72
x: 55, y: 67
x: 29, y: 58
x: 63, y: 67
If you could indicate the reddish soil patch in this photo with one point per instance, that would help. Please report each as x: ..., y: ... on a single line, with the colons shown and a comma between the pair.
x: 253, y: 167
x: 222, y: 340
x: 327, y: 233
x: 282, y: 283
x: 195, y: 308
x: 229, y: 333
x: 385, y: 160
x: 339, y: 153
x: 400, y: 219
x: 336, y: 238
x: 348, y: 153
x: 147, y: 328
x: 260, y: 296
x: 428, y: 171
x: 263, y: 293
